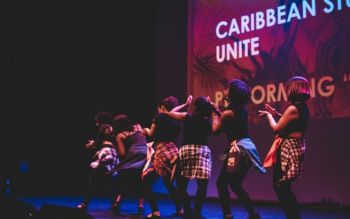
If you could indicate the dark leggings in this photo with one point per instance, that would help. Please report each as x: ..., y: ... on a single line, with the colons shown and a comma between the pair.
x: 234, y: 179
x: 149, y: 194
x: 126, y: 182
x: 182, y: 183
x: 98, y: 179
x: 284, y: 191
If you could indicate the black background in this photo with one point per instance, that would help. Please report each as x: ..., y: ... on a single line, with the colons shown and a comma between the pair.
x: 64, y: 63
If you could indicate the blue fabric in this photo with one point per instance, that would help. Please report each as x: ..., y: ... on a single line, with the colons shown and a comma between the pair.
x: 253, y: 154
x: 136, y: 152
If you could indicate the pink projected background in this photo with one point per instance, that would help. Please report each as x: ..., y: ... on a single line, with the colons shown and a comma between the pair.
x: 315, y: 44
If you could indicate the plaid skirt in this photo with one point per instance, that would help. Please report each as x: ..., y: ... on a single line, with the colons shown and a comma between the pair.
x: 194, y: 161
x: 292, y: 158
x: 106, y: 157
x: 165, y: 158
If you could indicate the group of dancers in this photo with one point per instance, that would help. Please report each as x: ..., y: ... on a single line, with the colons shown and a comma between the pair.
x: 124, y: 155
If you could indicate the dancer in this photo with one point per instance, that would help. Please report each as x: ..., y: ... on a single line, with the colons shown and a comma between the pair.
x: 287, y: 153
x: 241, y: 154
x: 105, y: 158
x: 132, y: 150
x: 164, y: 130
x: 194, y: 160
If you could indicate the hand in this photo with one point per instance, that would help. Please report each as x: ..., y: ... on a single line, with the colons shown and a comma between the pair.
x: 272, y: 110
x: 189, y: 100
x: 216, y: 109
x: 146, y: 131
x: 90, y: 144
x: 263, y: 113
x: 94, y: 165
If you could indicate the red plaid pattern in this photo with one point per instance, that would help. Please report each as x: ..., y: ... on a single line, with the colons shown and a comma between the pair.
x: 164, y: 158
x: 194, y: 161
x: 292, y: 157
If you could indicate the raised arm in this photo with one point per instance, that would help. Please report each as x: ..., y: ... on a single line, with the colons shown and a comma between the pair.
x: 272, y: 110
x: 180, y: 107
x: 219, y: 120
x: 150, y: 131
x: 289, y: 115
x: 177, y: 115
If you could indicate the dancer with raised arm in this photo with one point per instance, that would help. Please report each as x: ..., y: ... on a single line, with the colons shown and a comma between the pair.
x: 287, y: 153
x: 165, y: 131
x: 194, y: 160
x: 241, y: 154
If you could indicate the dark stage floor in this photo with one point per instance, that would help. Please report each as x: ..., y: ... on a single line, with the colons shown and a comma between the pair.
x: 100, y: 209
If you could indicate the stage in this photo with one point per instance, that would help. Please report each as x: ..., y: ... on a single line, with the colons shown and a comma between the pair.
x: 65, y: 63
x: 100, y: 209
